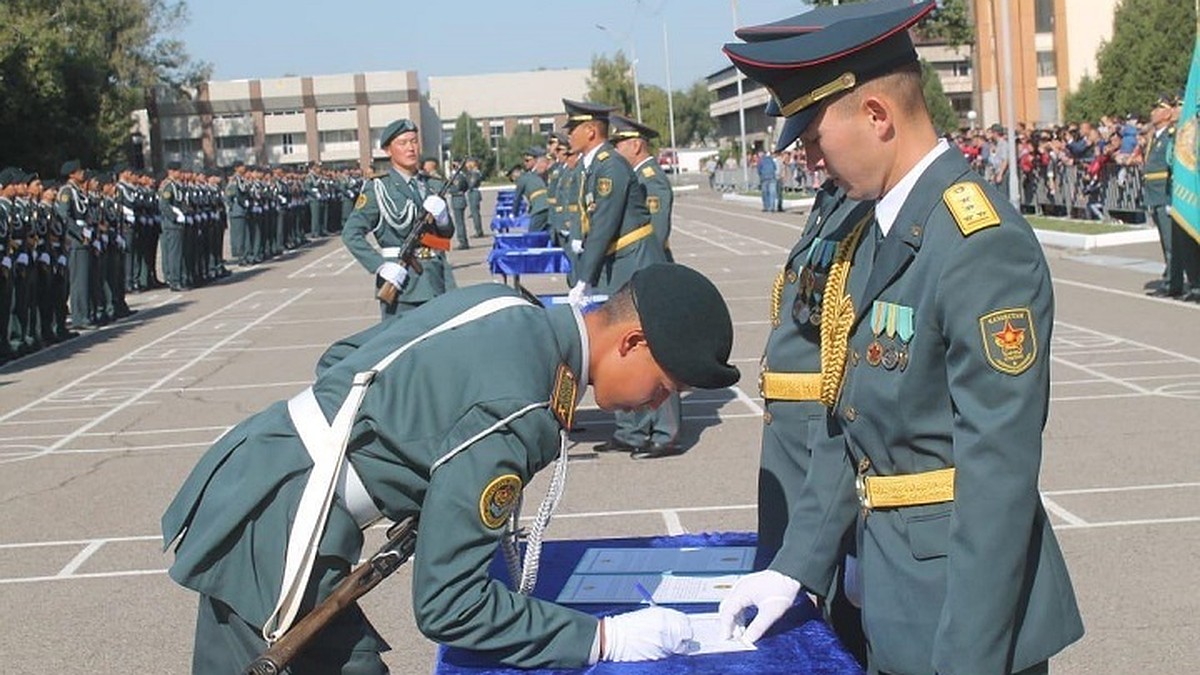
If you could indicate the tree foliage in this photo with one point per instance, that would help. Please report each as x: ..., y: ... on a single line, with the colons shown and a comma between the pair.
x: 1149, y: 53
x: 951, y: 23
x: 945, y: 120
x: 611, y: 83
x: 72, y: 71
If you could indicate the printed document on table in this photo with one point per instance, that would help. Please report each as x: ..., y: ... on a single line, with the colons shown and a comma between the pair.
x: 699, y: 560
x: 706, y: 634
x: 666, y: 589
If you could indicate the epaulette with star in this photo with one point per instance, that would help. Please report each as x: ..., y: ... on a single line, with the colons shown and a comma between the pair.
x: 970, y: 207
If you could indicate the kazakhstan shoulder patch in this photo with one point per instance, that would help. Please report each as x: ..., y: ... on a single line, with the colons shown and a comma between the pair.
x: 1009, y: 341
x: 652, y: 204
x: 361, y: 201
x: 64, y: 196
x: 604, y: 186
x: 498, y: 501
x: 970, y: 207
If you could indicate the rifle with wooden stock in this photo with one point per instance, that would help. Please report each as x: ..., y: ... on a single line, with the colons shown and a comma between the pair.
x: 401, y: 541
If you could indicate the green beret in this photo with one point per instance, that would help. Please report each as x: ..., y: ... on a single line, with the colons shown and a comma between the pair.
x: 687, y: 325
x: 69, y: 167
x: 395, y: 129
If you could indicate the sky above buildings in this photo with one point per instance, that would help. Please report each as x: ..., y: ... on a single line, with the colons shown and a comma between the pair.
x: 248, y: 39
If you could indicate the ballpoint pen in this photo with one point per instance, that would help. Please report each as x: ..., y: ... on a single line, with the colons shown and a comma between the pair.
x: 649, y: 597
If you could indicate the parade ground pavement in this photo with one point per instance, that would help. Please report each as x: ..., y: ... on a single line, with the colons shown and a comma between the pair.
x: 97, y: 434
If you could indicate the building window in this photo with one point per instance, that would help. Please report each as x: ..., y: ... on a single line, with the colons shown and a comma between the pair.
x: 339, y: 136
x: 287, y: 143
x: 181, y: 146
x: 496, y: 131
x: 335, y: 110
x: 234, y: 142
x: 545, y: 128
x: 1046, y: 65
x: 1043, y: 16
x: 1048, y: 106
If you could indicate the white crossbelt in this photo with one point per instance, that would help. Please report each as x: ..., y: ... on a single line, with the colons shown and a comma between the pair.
x: 326, y: 444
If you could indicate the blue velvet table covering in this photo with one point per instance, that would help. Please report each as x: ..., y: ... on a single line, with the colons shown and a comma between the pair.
x: 529, y: 261
x: 520, y: 240
x: 799, y: 644
x: 505, y: 222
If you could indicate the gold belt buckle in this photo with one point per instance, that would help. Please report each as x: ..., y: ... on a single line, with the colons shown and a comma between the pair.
x: 860, y: 486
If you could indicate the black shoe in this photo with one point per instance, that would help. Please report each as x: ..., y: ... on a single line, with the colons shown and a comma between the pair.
x: 1192, y: 296
x: 656, y: 450
x: 613, y: 445
x: 176, y: 288
x: 1164, y: 292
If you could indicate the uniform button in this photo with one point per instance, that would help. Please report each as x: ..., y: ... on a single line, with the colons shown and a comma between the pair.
x: 850, y: 414
x: 791, y: 276
x: 915, y: 230
x: 854, y: 358
x: 767, y: 418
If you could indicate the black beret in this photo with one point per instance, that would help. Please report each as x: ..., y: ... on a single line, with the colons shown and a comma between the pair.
x: 687, y: 324
x: 174, y: 166
x: 69, y: 167
x: 395, y: 129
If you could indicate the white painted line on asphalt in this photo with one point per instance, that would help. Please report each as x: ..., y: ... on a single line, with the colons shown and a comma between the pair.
x: 1100, y: 397
x: 750, y: 403
x: 1107, y: 378
x: 1124, y: 364
x: 78, y: 542
x: 1125, y: 488
x: 1132, y: 378
x: 1062, y: 513
x: 77, y: 562
x: 1131, y: 523
x: 283, y: 348
x: 1084, y: 351
x: 133, y: 448
x: 731, y: 249
x: 673, y: 524
x: 262, y: 385
x: 315, y: 264
x: 742, y: 214
x: 337, y: 319
x: 68, y: 438
x: 90, y: 575
x: 1187, y: 306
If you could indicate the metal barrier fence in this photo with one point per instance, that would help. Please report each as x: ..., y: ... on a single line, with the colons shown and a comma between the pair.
x: 1110, y: 192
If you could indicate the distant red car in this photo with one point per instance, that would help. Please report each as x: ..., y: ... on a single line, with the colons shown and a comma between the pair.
x: 668, y: 160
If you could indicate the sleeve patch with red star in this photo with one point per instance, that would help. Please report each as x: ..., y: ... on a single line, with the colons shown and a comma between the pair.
x: 1009, y: 341
x: 498, y: 501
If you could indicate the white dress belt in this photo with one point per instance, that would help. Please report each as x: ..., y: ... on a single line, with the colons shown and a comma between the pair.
x: 315, y: 434
x: 390, y: 251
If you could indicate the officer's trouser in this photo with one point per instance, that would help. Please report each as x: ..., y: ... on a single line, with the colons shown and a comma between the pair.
x: 644, y: 427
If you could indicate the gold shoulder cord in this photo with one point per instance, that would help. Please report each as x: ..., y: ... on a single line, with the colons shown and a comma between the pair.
x: 777, y: 297
x: 837, y: 314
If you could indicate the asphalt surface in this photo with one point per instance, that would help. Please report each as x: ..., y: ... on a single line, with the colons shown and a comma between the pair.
x: 97, y: 434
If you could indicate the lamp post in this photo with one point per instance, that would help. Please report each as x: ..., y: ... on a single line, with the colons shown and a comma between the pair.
x: 670, y: 107
x: 637, y: 96
x: 741, y: 108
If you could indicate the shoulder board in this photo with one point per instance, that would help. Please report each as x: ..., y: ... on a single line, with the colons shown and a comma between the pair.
x: 562, y: 398
x: 970, y: 207
x: 64, y: 196
x: 603, y: 155
x: 648, y: 171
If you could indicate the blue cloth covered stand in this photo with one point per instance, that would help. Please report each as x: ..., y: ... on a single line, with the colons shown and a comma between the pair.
x: 799, y: 644
x: 528, y: 261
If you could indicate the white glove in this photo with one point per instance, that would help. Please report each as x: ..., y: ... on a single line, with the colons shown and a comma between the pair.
x: 436, y: 206
x: 121, y: 242
x: 393, y: 273
x: 87, y: 233
x: 6, y: 262
x: 577, y: 246
x: 179, y: 217
x: 98, y: 246
x: 23, y: 258
x: 62, y: 260
x: 647, y: 634
x: 771, y: 592
x: 44, y: 258
x: 128, y: 214
x: 577, y: 293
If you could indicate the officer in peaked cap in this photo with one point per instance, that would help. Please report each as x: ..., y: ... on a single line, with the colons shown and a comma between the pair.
x: 531, y: 186
x: 654, y: 433
x: 233, y: 523
x: 1156, y: 192
x: 944, y: 306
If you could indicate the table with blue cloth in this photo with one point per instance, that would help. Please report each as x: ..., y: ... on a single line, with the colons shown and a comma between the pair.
x: 800, y: 643
x: 508, y: 241
x: 515, y: 262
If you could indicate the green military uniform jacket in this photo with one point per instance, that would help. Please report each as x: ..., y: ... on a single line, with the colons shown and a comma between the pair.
x: 660, y: 199
x: 1156, y: 173
x: 533, y: 188
x: 474, y: 180
x: 434, y: 436
x: 73, y: 209
x: 957, y: 310
x: 613, y: 220
x: 388, y: 208
x: 803, y: 452
x: 554, y: 203
x: 458, y: 193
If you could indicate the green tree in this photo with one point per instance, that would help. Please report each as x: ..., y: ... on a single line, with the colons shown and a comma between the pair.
x: 72, y: 71
x: 1149, y: 53
x: 694, y: 124
x: 513, y: 147
x: 468, y: 139
x: 611, y: 82
x: 951, y: 23
x: 940, y: 111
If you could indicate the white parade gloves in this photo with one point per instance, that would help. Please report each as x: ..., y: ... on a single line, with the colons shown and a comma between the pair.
x: 646, y: 634
x: 393, y: 273
x: 577, y: 246
x: 436, y: 206
x: 771, y: 592
x: 577, y: 294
